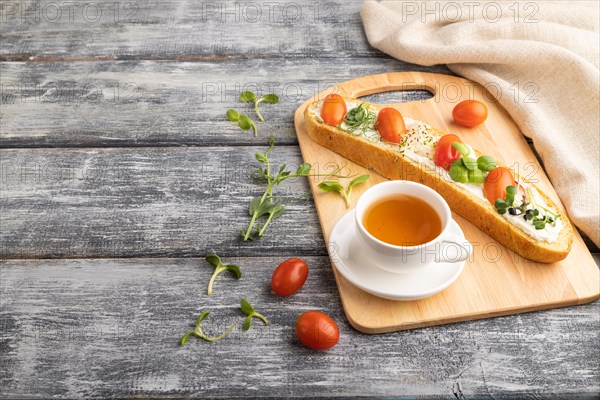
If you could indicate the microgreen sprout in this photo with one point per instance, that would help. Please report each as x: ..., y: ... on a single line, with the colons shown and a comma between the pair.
x: 360, y: 120
x: 530, y: 210
x: 334, y: 186
x: 539, y: 221
x: 215, y: 261
x: 243, y: 121
x: 504, y: 205
x: 251, y: 97
x: 197, y: 331
x: 462, y: 148
x: 486, y: 163
x: 267, y: 205
x: 458, y: 172
x: 251, y: 313
x: 467, y: 169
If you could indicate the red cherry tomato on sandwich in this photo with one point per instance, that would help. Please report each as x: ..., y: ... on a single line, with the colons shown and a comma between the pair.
x: 495, y: 184
x: 390, y: 125
x: 317, y: 330
x: 333, y: 110
x: 469, y: 113
x: 445, y: 153
x: 289, y: 276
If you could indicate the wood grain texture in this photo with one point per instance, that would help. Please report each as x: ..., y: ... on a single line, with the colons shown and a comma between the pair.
x: 182, y: 29
x: 123, y: 104
x: 495, y: 280
x: 109, y: 328
x: 154, y: 202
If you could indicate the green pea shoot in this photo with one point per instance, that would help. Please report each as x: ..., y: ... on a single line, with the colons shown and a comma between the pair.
x: 243, y: 121
x: 334, y: 186
x: 215, y: 261
x: 249, y: 97
x: 197, y: 331
x: 251, y: 313
x: 267, y: 205
x: 469, y: 170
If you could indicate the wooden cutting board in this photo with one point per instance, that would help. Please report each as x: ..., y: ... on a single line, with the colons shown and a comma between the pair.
x: 497, y: 281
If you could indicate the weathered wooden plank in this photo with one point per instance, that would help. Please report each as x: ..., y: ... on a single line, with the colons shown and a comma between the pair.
x: 109, y: 328
x: 155, y: 202
x: 146, y: 103
x: 167, y: 202
x: 181, y: 29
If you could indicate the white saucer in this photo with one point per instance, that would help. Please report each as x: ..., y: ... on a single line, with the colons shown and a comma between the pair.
x: 345, y: 251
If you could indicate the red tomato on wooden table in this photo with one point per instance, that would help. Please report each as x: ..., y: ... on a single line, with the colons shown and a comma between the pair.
x: 470, y: 113
x: 317, y: 330
x: 390, y: 125
x: 289, y: 276
x: 333, y: 110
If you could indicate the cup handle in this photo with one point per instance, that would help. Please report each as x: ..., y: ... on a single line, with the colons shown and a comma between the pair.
x: 457, y: 241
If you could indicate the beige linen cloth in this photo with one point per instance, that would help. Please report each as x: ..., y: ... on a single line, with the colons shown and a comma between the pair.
x: 554, y: 45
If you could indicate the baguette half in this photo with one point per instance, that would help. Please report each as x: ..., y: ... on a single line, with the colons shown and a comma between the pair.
x: 390, y: 163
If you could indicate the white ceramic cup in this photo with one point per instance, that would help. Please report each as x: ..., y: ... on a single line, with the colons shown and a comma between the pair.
x: 446, y: 247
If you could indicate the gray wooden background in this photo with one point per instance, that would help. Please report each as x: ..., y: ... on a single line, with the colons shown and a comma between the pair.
x: 119, y: 173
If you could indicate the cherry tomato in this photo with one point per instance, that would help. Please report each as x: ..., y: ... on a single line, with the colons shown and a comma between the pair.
x: 390, y: 124
x: 495, y: 184
x: 317, y: 330
x: 289, y: 276
x: 333, y: 110
x: 445, y: 153
x: 469, y: 113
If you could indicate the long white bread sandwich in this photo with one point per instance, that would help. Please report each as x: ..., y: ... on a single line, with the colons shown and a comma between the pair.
x: 504, y: 205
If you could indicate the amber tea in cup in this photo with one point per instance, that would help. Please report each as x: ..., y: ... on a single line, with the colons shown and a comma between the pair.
x: 402, y: 220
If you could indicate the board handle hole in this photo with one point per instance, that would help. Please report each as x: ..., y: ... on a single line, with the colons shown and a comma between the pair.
x: 397, y: 96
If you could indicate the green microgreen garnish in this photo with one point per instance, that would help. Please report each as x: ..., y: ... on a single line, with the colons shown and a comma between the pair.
x: 458, y: 172
x: 360, y: 120
x: 462, y: 148
x: 197, y: 331
x: 467, y: 169
x: 251, y: 97
x: 476, y: 176
x: 486, y: 163
x: 334, y: 186
x: 507, y: 204
x: 251, y: 313
x: 532, y: 214
x: 215, y: 261
x: 470, y: 163
x: 243, y: 121
x: 267, y: 205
